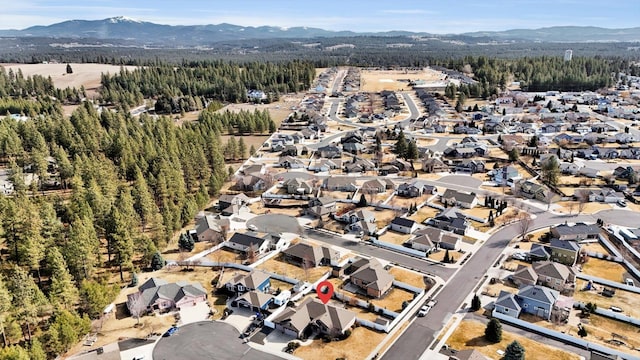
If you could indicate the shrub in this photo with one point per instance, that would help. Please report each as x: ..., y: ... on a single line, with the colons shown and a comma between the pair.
x: 493, y: 331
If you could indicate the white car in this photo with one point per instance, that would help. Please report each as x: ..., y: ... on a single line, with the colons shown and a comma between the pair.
x: 424, y: 310
x: 629, y: 281
x: 518, y: 256
x: 252, y: 227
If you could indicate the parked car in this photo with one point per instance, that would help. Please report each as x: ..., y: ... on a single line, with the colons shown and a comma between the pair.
x: 622, y: 203
x: 172, y: 330
x: 629, y: 281
x: 615, y: 309
x: 252, y: 227
x: 424, y: 310
x: 518, y: 256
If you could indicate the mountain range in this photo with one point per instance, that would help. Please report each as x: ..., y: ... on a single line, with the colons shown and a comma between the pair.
x: 147, y: 33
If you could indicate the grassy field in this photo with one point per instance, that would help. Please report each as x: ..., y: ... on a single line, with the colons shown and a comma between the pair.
x: 470, y: 335
x: 439, y: 255
x: 279, y: 266
x: 424, y: 213
x: 604, y: 269
x: 378, y: 80
x: 357, y: 346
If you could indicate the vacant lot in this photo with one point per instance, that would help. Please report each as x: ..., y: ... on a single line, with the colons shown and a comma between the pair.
x: 378, y: 80
x: 470, y: 335
x: 604, y: 269
x: 439, y: 256
x: 279, y: 266
x: 602, y: 329
x: 87, y: 75
x: 357, y: 346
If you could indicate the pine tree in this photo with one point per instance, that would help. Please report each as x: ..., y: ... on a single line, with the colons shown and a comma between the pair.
x: 412, y: 151
x: 475, y: 303
x: 157, y: 262
x: 493, y: 331
x: 447, y: 258
x: 363, y: 201
x: 5, y: 305
x: 252, y: 150
x: 242, y: 149
x: 514, y: 351
x: 69, y: 69
x: 186, y: 243
x: 401, y: 145
x: 62, y: 291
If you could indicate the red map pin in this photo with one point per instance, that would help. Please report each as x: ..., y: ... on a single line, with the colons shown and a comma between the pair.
x: 325, y: 291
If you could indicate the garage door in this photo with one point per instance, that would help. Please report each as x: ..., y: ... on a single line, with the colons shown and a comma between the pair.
x: 286, y: 330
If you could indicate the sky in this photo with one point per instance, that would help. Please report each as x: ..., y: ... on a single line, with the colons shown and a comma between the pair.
x: 433, y: 16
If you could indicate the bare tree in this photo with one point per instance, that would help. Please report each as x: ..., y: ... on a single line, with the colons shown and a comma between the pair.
x: 583, y: 198
x: 524, y: 223
x: 136, y: 306
x: 251, y: 253
x: 571, y: 206
x: 548, y: 199
x: 370, y: 192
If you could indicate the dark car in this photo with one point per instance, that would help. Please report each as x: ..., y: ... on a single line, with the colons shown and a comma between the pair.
x: 171, y: 331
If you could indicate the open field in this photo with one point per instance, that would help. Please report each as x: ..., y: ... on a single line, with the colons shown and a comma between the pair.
x: 279, y: 266
x: 604, y: 269
x: 470, y: 335
x: 378, y: 80
x: 87, y: 75
x: 409, y: 277
x: 357, y: 346
x: 627, y: 301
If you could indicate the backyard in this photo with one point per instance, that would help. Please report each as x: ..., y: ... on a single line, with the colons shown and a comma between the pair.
x: 279, y: 266
x: 470, y: 335
x: 393, y: 299
x: 394, y: 237
x: 604, y: 269
x: 357, y: 346
x: 625, y: 300
x: 408, y: 277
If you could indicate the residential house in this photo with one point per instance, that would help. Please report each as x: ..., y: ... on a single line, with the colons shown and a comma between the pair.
x: 354, y: 148
x: 321, y: 206
x: 356, y: 215
x: 255, y: 280
x: 555, y: 275
x: 403, y: 225
x: 289, y: 162
x: 459, y: 152
x: 325, y: 165
x: 434, y: 165
x: 255, y: 169
x: 415, y: 188
x: 579, y: 231
x: 439, y: 238
x: 227, y: 200
x: 308, y: 255
x: 297, y: 186
x: 469, y: 354
x: 469, y: 166
x: 340, y: 183
x: 451, y: 219
x: 456, y: 198
x: 402, y: 165
x: 245, y: 242
x: 329, y: 152
x: 371, y: 277
x: 377, y: 186
x: 524, y: 275
x: 210, y: 228
x: 605, y: 195
x: 250, y: 183
x: 157, y: 294
x: 537, y: 300
x: 359, y: 165
x: 423, y: 243
x: 595, y: 355
x: 501, y: 176
x: 531, y: 190
x: 507, y: 304
x: 564, y: 251
x: 313, y: 316
x: 569, y: 168
x: 388, y: 169
x: 539, y: 252
x: 363, y: 227
x: 256, y: 301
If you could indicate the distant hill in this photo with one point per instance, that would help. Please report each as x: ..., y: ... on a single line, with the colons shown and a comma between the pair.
x: 147, y: 33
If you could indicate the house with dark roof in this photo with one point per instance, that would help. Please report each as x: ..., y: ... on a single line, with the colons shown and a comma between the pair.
x: 451, y: 219
x: 524, y: 275
x: 579, y: 231
x: 308, y: 255
x: 228, y: 200
x: 539, y: 252
x: 453, y: 197
x: 211, y: 228
x: 564, y: 251
x: 255, y: 280
x: 371, y: 277
x: 469, y: 166
x: 507, y: 304
x: 313, y: 316
x: 531, y: 190
x: 415, y: 188
x: 430, y: 238
x: 537, y: 300
x: 555, y: 276
x: 244, y: 242
x: 403, y: 225
x: 157, y: 294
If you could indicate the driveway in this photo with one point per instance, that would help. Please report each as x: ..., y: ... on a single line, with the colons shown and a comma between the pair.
x: 192, y: 314
x: 207, y: 340
x: 275, y: 223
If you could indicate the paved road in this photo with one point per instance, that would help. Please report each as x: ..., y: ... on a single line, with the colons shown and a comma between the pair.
x: 422, y: 332
x: 207, y: 340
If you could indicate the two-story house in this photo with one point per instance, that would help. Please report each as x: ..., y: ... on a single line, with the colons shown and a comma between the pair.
x: 564, y: 251
x: 456, y: 198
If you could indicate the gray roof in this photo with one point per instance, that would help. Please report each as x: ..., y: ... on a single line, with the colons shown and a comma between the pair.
x: 246, y: 239
x: 577, y: 229
x: 564, y: 245
x: 526, y: 272
x: 508, y: 300
x: 251, y: 280
x: 315, y: 253
x: 552, y: 269
x: 400, y: 221
x: 154, y: 289
x: 459, y: 196
x: 540, y: 251
x: 539, y: 293
x: 312, y: 310
x: 373, y: 275
x: 256, y: 298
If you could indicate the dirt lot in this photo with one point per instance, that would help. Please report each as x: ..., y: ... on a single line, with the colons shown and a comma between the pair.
x: 627, y: 301
x: 470, y: 335
x: 378, y: 80
x: 279, y: 266
x: 357, y: 346
x: 394, y: 237
x: 83, y: 74
x: 604, y: 269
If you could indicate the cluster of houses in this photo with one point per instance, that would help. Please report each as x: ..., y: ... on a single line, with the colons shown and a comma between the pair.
x: 546, y: 285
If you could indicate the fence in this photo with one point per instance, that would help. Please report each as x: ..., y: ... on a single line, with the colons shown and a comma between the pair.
x: 206, y: 252
x: 405, y: 286
x: 609, y: 283
x: 632, y: 269
x: 372, y: 325
x: 612, y: 314
x: 399, y: 248
x: 568, y: 339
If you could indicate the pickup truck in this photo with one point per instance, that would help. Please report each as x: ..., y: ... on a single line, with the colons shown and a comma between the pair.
x: 424, y: 310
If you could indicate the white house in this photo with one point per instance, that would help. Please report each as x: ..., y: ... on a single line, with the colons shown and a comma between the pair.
x: 403, y: 225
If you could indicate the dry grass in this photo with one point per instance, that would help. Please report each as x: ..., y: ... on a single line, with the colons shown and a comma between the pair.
x: 394, y: 237
x: 393, y: 299
x: 493, y: 290
x: 594, y: 247
x: 470, y: 335
x: 172, y: 252
x: 600, y: 329
x: 378, y: 80
x: 409, y: 277
x: 357, y: 346
x: 279, y: 266
x: 439, y: 255
x: 590, y: 208
x: 258, y: 209
x: 604, y: 269
x: 383, y: 217
x: 424, y: 213
x: 406, y: 202
x: 627, y: 301
x: 479, y: 211
x: 222, y: 255
x: 512, y: 264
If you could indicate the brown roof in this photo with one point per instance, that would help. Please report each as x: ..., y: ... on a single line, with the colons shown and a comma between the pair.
x: 334, y: 318
x: 373, y: 275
